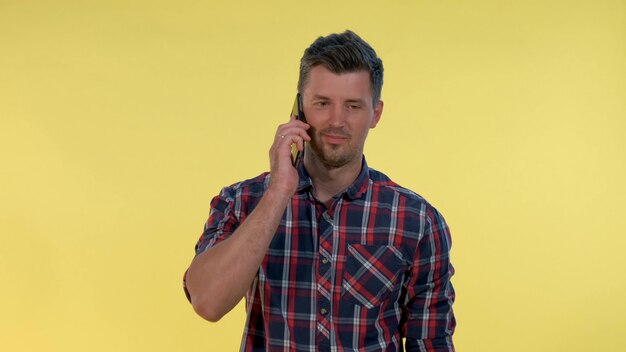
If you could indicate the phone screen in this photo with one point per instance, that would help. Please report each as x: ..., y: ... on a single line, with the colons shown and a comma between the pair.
x: 296, y: 155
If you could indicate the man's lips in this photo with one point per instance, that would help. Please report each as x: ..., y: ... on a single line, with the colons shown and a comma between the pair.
x: 334, y: 138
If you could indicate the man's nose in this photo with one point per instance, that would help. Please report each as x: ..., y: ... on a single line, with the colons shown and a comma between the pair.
x: 337, y: 116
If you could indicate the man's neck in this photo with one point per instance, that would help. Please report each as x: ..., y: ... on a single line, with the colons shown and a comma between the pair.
x: 328, y: 182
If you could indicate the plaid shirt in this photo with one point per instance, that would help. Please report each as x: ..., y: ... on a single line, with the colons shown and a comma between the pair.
x: 361, y: 275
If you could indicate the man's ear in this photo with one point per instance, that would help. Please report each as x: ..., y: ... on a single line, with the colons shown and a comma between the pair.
x: 378, y: 110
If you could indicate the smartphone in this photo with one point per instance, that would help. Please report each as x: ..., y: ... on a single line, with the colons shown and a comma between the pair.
x: 296, y: 155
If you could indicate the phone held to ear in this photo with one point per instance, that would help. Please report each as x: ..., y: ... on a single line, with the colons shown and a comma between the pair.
x: 296, y: 155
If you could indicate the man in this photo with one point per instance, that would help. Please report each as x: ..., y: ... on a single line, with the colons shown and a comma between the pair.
x: 332, y: 255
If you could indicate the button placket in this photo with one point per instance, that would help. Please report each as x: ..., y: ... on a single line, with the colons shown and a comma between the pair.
x: 324, y: 275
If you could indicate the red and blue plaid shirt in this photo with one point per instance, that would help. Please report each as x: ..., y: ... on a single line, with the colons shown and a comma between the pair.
x: 361, y: 275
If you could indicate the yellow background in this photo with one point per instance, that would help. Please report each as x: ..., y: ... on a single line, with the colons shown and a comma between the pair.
x: 119, y: 120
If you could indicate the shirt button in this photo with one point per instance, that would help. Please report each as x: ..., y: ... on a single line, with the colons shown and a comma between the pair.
x: 324, y: 260
x: 323, y: 311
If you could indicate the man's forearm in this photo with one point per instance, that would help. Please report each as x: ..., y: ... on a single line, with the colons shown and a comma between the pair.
x: 218, y: 278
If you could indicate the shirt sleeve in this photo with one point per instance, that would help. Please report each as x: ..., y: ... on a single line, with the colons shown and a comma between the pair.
x: 222, y: 222
x: 429, y: 319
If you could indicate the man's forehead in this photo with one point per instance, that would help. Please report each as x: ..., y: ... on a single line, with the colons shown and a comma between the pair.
x: 323, y: 82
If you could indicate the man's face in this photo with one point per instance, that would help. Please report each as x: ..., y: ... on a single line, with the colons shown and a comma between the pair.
x: 340, y: 111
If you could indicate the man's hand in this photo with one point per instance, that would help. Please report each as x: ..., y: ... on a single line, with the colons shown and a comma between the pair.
x: 284, y: 177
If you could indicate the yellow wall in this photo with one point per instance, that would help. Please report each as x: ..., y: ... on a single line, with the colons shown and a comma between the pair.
x: 119, y: 120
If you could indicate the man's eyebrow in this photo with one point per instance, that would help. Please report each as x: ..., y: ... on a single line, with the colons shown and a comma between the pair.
x: 356, y: 100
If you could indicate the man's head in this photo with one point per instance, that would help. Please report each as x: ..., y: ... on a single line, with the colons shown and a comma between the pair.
x: 343, y: 53
x: 340, y: 83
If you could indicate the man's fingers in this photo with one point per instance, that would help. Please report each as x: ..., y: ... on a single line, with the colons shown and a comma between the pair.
x: 290, y: 139
x: 283, y: 132
x: 293, y: 127
x: 298, y: 141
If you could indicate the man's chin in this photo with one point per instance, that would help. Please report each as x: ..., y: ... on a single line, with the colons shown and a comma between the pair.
x: 333, y: 156
x: 336, y: 160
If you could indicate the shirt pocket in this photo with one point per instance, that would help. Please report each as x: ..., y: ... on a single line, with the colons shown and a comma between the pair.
x: 371, y: 273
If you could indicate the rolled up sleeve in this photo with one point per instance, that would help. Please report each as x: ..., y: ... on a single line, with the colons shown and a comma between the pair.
x: 222, y: 222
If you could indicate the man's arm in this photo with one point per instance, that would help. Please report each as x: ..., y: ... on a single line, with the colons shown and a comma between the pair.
x: 219, y: 277
x: 430, y: 320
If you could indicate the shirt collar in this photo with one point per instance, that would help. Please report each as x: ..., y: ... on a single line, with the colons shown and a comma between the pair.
x: 354, y: 191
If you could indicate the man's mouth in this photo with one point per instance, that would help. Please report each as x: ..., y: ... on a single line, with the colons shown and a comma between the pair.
x: 334, y: 136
